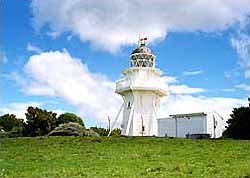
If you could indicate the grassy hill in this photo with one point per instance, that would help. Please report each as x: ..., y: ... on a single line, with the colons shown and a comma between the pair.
x: 123, y: 157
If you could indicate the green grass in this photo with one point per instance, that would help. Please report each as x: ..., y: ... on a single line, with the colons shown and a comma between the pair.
x: 123, y: 157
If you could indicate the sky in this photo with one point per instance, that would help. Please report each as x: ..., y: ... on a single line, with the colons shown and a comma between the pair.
x: 66, y: 55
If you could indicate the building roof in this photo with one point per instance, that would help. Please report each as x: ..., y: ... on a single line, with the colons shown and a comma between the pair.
x: 185, y: 115
x: 188, y: 115
x: 142, y: 49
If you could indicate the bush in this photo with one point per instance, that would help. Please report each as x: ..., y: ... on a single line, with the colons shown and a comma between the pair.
x: 116, y: 132
x: 69, y: 117
x: 100, y: 131
x: 16, y: 132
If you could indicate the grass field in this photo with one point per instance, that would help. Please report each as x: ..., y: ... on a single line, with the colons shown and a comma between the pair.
x: 123, y: 157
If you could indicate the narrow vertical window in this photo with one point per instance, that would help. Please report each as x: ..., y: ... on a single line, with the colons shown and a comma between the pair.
x: 129, y: 105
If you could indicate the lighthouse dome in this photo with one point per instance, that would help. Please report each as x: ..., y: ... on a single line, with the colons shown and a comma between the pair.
x: 142, y: 49
x: 142, y: 56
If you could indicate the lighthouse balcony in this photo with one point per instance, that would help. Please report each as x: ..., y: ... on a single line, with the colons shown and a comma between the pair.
x: 126, y: 85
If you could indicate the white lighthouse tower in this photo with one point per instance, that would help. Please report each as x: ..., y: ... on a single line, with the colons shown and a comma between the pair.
x: 141, y: 91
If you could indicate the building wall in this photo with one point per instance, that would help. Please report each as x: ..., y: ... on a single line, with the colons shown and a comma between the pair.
x: 191, y: 125
x: 220, y: 125
x: 142, y: 113
x: 127, y: 109
x: 139, y: 88
x: 166, y: 127
x: 180, y: 127
x: 194, y: 125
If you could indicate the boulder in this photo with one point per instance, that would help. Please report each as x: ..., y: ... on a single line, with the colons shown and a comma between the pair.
x: 90, y: 132
x: 68, y: 129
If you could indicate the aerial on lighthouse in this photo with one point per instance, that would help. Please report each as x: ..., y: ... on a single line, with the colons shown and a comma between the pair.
x: 141, y: 92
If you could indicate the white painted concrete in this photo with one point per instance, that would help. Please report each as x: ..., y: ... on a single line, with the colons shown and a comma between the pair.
x: 141, y: 91
x: 180, y: 126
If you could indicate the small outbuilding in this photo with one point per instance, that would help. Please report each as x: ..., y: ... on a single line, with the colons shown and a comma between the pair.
x: 184, y: 125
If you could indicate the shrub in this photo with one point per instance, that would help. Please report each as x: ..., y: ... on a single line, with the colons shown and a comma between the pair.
x: 69, y: 117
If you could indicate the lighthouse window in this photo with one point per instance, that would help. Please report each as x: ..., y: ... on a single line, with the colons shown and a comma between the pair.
x: 129, y: 105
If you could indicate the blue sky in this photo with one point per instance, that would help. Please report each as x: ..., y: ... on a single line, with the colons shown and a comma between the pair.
x: 206, y: 59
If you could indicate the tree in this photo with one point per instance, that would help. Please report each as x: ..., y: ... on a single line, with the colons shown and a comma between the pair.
x: 10, y: 121
x: 239, y: 123
x: 69, y: 117
x: 39, y: 122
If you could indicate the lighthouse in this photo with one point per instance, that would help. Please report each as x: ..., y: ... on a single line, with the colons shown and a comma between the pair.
x: 141, y: 91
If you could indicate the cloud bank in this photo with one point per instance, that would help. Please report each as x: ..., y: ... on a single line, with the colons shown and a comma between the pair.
x: 111, y: 24
x: 177, y: 104
x: 58, y: 74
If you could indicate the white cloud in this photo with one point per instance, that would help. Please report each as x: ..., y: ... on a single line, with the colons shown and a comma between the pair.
x: 195, y: 72
x: 242, y: 46
x: 169, y: 80
x: 33, y: 48
x: 241, y: 42
x: 53, y: 34
x: 18, y: 108
x: 93, y: 94
x: 243, y: 86
x: 176, y: 104
x: 69, y: 37
x: 111, y: 24
x: 184, y: 89
x: 228, y: 89
x: 30, y: 86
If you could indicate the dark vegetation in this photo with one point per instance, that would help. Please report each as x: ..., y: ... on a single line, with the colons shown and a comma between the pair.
x: 14, y: 126
x: 239, y: 123
x: 40, y: 122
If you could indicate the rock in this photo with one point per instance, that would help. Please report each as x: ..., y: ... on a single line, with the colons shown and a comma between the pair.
x: 1, y: 130
x: 68, y: 129
x: 90, y: 132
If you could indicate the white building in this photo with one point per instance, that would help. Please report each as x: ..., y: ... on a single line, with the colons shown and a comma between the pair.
x: 141, y: 93
x: 180, y: 125
x: 141, y: 90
